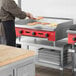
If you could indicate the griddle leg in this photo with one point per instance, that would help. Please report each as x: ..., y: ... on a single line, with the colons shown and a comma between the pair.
x: 28, y: 47
x: 35, y: 40
x: 62, y: 72
x: 73, y: 64
x: 62, y: 62
x: 19, y: 38
x: 54, y: 44
x: 73, y: 61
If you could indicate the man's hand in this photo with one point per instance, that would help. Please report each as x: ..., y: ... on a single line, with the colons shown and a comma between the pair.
x: 29, y: 15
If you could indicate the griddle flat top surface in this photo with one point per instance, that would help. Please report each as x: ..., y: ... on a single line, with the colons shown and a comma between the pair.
x: 48, y: 20
x: 24, y: 22
x: 53, y: 23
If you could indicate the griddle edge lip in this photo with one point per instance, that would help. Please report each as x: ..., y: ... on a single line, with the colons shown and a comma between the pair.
x: 71, y: 31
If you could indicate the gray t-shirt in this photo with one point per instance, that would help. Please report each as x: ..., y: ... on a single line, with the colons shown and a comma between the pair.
x: 9, y: 10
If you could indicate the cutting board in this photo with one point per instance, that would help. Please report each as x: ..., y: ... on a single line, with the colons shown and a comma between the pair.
x: 12, y: 54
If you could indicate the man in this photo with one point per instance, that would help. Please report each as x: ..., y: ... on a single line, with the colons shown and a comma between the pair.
x: 8, y: 11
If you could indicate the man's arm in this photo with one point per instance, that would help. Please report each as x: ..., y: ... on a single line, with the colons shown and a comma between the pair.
x: 11, y: 7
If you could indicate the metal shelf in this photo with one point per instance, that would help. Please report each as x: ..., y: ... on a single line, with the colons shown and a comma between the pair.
x: 49, y: 64
x: 43, y: 43
x: 57, y: 61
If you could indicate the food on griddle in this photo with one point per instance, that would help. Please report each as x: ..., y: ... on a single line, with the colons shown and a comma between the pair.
x: 44, y: 23
x: 52, y: 25
x: 31, y: 24
x: 39, y: 18
x: 34, y: 18
x: 34, y: 23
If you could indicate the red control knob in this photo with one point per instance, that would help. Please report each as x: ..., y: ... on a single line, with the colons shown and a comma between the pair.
x: 46, y: 35
x: 74, y: 39
x: 20, y: 31
x: 33, y: 33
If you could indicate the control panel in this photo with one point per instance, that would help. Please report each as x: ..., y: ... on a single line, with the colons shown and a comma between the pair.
x: 71, y: 38
x: 35, y: 33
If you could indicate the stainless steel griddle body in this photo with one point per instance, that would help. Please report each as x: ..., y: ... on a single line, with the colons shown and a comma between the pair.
x: 72, y: 41
x: 43, y: 31
x: 49, y: 55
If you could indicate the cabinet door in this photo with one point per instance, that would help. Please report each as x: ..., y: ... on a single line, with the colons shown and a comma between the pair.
x: 6, y: 72
x: 27, y: 70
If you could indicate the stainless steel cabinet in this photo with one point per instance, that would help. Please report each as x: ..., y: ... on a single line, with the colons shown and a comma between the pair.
x: 25, y: 67
x: 26, y: 70
x: 7, y: 72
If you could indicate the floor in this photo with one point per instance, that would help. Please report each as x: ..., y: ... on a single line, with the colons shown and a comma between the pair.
x: 44, y: 71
